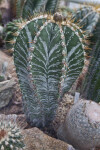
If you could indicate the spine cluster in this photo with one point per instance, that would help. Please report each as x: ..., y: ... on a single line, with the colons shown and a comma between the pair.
x: 10, y: 136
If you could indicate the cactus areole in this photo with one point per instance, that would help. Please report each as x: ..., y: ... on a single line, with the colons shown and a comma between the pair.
x: 49, y: 56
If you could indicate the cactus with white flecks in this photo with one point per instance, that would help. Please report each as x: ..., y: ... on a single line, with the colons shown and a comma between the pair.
x: 10, y: 136
x: 81, y: 127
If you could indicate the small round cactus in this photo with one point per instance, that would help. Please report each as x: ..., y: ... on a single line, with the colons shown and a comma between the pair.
x: 82, y: 126
x: 10, y: 136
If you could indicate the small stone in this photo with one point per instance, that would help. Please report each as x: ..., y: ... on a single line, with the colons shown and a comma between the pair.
x: 35, y: 139
x: 6, y: 92
x: 9, y: 77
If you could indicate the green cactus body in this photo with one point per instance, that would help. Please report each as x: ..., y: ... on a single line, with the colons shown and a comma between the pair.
x: 31, y: 7
x: 87, y: 18
x: 10, y: 136
x: 49, y: 57
x: 26, y: 9
x: 19, y: 7
x: 51, y: 6
x: 93, y: 77
x: 11, y: 29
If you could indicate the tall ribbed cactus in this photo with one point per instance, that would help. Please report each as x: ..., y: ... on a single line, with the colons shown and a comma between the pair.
x: 10, y: 30
x: 30, y: 7
x: 91, y: 89
x: 87, y: 18
x: 27, y: 8
x: 49, y: 56
x: 19, y: 7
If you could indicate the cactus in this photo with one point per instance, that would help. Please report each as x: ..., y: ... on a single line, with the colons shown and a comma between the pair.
x: 82, y: 126
x: 94, y: 2
x: 49, y: 56
x: 12, y: 30
x: 10, y: 136
x: 91, y: 86
x: 87, y: 18
x: 31, y: 7
x: 26, y: 9
x: 91, y: 89
x: 52, y: 6
x: 19, y: 7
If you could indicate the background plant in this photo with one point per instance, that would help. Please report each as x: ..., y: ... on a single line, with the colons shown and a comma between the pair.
x: 91, y: 89
x: 12, y: 31
x: 90, y: 18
